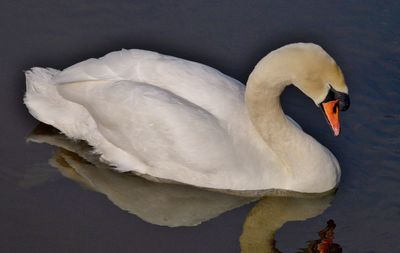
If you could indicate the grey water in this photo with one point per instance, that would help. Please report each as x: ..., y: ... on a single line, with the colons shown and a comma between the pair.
x: 71, y: 205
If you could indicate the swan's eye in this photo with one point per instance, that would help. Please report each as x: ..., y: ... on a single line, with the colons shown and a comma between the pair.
x: 330, y: 96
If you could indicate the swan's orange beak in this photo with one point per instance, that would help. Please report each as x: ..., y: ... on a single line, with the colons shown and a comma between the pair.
x: 331, y: 111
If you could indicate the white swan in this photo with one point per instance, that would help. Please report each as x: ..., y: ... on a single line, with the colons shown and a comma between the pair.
x: 182, y: 121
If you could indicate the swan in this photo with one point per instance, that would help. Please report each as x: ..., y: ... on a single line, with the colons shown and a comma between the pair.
x: 175, y: 120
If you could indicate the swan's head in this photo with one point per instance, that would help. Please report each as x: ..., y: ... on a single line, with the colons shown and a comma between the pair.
x: 316, y: 74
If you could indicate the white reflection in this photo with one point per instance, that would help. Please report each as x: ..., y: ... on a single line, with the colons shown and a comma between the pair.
x: 271, y: 213
x: 157, y: 203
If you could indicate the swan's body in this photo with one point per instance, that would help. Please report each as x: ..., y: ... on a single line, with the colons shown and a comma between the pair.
x: 182, y: 121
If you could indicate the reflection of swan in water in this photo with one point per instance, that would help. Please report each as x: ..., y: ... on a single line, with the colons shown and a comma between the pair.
x: 157, y: 203
x: 271, y: 213
x: 181, y: 205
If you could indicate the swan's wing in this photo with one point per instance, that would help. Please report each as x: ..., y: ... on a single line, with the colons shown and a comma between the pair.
x: 175, y: 138
x: 201, y: 85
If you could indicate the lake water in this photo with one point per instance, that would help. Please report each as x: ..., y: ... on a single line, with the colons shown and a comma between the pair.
x: 75, y: 204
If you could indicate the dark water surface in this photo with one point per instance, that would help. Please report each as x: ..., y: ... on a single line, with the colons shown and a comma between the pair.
x: 43, y: 211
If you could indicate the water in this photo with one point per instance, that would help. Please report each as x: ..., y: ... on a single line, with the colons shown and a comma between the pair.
x: 43, y: 211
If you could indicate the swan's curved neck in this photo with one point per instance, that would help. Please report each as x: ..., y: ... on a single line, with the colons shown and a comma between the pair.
x: 263, y: 91
x: 291, y: 145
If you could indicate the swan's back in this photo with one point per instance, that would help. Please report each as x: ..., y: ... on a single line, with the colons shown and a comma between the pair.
x: 201, y: 85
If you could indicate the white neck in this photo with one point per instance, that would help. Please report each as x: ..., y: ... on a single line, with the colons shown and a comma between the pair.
x: 263, y: 103
x: 306, y: 161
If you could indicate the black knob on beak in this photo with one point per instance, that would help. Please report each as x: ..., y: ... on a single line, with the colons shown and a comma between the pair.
x: 343, y: 98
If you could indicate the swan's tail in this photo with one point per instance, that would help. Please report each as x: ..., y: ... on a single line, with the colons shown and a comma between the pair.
x: 41, y: 93
x: 46, y: 104
x: 38, y: 80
